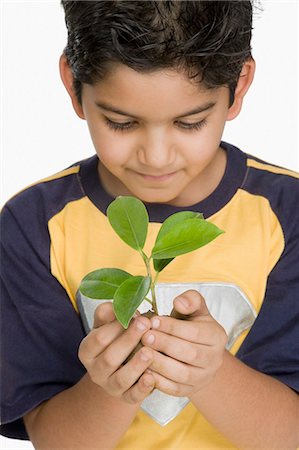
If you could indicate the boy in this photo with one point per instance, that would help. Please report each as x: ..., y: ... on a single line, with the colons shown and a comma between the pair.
x: 156, y: 82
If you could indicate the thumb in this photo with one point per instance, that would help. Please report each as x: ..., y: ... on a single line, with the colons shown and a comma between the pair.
x: 104, y: 313
x: 189, y: 304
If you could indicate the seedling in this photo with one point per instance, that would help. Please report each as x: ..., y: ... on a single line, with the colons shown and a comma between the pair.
x: 180, y: 233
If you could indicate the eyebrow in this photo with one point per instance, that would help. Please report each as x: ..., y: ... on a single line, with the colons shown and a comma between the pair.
x: 196, y: 110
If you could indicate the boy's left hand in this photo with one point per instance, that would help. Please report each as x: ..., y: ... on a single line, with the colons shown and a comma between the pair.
x: 187, y: 353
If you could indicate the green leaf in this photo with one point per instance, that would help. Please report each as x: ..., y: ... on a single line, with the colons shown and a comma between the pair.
x: 168, y: 224
x: 185, y: 237
x: 160, y: 264
x: 129, y: 219
x: 102, y: 283
x: 128, y: 297
x: 174, y: 219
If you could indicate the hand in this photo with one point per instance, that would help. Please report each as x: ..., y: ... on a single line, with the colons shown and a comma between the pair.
x: 106, y: 347
x: 187, y: 353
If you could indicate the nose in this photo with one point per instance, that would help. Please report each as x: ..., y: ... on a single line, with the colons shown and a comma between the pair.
x: 156, y: 151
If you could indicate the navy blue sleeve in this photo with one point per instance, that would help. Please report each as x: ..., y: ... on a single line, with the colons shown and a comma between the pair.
x: 272, y: 345
x: 40, y: 330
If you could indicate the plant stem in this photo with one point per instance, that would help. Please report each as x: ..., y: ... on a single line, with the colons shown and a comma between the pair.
x: 154, y: 300
x: 155, y: 279
x: 153, y: 282
x: 149, y: 301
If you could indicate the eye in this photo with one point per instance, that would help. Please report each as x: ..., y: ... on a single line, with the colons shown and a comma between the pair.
x: 192, y: 126
x: 116, y: 126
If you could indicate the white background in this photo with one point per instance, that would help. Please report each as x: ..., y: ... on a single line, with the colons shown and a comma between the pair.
x: 42, y: 135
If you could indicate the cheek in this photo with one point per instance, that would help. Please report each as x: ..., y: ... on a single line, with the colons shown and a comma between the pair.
x: 112, y: 149
x: 202, y: 148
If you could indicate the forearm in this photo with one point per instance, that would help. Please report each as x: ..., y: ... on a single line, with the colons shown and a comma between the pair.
x: 82, y: 417
x: 251, y: 409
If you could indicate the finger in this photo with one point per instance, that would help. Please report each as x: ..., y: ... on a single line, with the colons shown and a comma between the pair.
x: 168, y: 386
x: 140, y: 390
x: 127, y: 375
x: 104, y: 313
x: 201, y: 332
x: 116, y: 353
x: 180, y: 349
x: 191, y: 304
x: 175, y: 370
x: 98, y: 339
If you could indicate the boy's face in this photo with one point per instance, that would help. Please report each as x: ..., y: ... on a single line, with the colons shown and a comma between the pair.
x: 149, y: 140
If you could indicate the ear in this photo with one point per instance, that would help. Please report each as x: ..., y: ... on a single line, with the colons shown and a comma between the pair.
x: 68, y: 79
x: 245, y: 80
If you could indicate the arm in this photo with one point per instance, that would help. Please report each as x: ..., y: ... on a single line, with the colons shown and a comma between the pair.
x: 78, y: 418
x: 40, y: 337
x: 251, y: 409
x: 97, y: 411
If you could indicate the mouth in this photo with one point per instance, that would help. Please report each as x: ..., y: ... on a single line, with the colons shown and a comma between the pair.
x: 156, y: 178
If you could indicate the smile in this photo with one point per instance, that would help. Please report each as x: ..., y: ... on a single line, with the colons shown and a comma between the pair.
x: 156, y: 178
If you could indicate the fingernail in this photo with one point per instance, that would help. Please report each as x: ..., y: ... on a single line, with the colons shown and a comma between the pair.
x: 144, y: 356
x: 148, y: 383
x: 155, y: 322
x: 183, y: 301
x: 150, y: 339
x: 140, y: 325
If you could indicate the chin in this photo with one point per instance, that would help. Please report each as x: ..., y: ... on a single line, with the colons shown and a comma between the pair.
x: 156, y: 197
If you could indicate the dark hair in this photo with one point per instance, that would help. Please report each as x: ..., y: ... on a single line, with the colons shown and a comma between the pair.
x: 208, y: 40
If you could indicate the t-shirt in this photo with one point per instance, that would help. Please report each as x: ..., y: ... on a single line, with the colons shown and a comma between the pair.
x: 56, y: 231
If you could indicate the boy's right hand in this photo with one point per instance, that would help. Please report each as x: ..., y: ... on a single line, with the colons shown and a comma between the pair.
x: 106, y: 347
